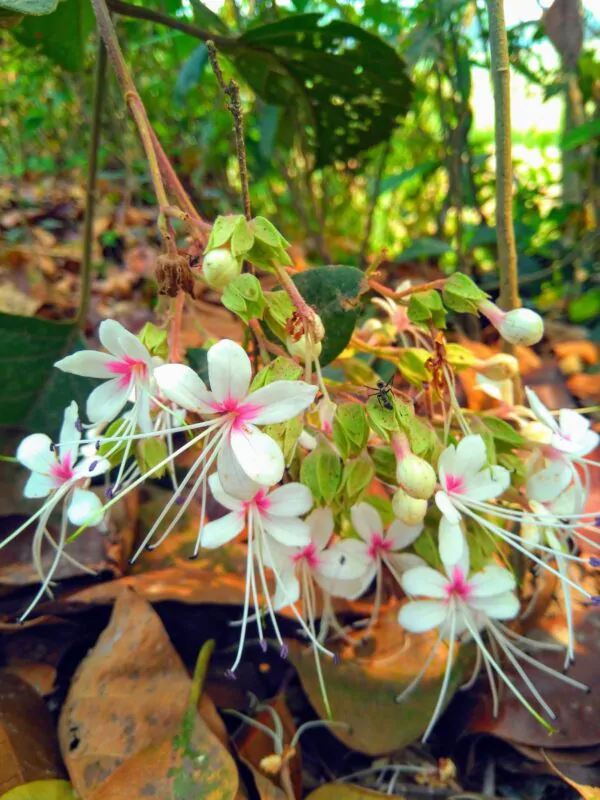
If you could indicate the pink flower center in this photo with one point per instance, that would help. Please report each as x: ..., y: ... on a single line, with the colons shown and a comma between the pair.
x: 454, y: 483
x: 378, y: 546
x: 260, y: 501
x: 62, y: 471
x: 130, y: 369
x: 240, y: 411
x: 308, y: 554
x: 458, y: 586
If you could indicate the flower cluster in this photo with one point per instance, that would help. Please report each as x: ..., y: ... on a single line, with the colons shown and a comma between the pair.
x: 338, y: 500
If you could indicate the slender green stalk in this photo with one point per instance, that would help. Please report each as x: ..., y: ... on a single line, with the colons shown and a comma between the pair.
x: 507, y: 252
x: 90, y: 191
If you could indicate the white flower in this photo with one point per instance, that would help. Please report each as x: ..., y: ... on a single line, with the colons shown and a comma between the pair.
x: 58, y: 474
x: 126, y: 370
x: 502, y: 390
x: 269, y: 517
x: 571, y: 432
x: 237, y: 413
x: 461, y: 604
x: 465, y: 482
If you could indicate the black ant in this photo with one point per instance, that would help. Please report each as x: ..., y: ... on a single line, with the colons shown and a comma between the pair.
x: 382, y: 393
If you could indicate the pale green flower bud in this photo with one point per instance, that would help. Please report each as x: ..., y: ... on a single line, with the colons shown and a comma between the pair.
x: 220, y: 268
x: 416, y: 476
x: 300, y: 349
x: 521, y: 326
x: 409, y: 510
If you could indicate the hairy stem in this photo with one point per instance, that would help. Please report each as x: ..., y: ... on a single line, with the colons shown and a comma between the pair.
x: 90, y: 191
x: 422, y: 287
x: 507, y: 253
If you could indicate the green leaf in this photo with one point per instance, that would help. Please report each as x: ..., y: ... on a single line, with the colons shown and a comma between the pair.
x: 190, y: 73
x: 53, y: 789
x: 61, y: 35
x: 503, y: 431
x: 35, y: 394
x: 382, y: 420
x: 356, y: 478
x: 392, y: 182
x: 462, y: 295
x: 425, y: 247
x: 27, y: 7
x: 350, y: 429
x: 222, y: 231
x: 198, y: 361
x: 242, y: 238
x: 205, y: 18
x: 281, y: 369
x: 412, y: 365
x: 347, y: 85
x: 267, y: 233
x: 334, y: 293
x: 321, y: 471
x: 426, y: 308
x: 585, y: 308
x: 384, y: 461
x: 244, y: 297
x: 155, y: 340
x: 581, y: 135
x: 278, y: 311
x: 459, y: 357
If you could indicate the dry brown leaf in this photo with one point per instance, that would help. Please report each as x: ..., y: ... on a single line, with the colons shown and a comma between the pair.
x: 582, y: 348
x: 28, y: 747
x: 264, y: 786
x: 43, y: 237
x: 14, y: 301
x: 587, y: 792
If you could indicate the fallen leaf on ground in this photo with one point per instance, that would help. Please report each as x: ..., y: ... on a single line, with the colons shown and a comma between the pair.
x: 343, y: 791
x: 587, y: 792
x: 28, y: 747
x: 126, y: 703
x: 41, y: 790
x: 362, y: 689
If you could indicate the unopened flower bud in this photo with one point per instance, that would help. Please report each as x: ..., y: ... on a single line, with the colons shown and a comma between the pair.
x: 519, y: 326
x: 409, y: 510
x: 416, y: 477
x: 220, y: 267
x: 536, y: 432
x: 318, y: 329
x: 499, y: 367
x: 300, y: 349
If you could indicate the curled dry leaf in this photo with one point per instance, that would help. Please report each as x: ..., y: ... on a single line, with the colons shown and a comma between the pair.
x: 41, y: 790
x: 28, y: 747
x: 362, y: 690
x: 125, y: 706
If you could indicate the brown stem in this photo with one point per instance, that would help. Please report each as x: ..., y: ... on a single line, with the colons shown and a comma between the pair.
x: 90, y: 191
x: 175, y: 330
x: 422, y: 287
x: 232, y: 91
x: 137, y: 12
x: 507, y: 251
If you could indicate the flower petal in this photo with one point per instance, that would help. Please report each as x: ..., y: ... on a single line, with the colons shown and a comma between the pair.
x: 345, y: 560
x: 290, y: 531
x: 38, y: 485
x: 487, y: 484
x: 107, y: 400
x: 257, y: 454
x: 87, y: 363
x: 287, y: 591
x: 425, y: 582
x: 222, y: 497
x: 291, y: 500
x: 110, y: 332
x: 320, y: 522
x: 366, y: 521
x: 281, y: 400
x: 491, y: 581
x: 402, y: 562
x: 70, y: 434
x: 402, y: 535
x: 499, y: 606
x: 36, y: 453
x: 183, y: 386
x: 336, y: 587
x: 445, y: 505
x: 84, y: 508
x: 419, y: 616
x: 91, y: 466
x: 234, y: 480
x: 540, y: 410
x: 218, y: 532
x: 466, y: 458
x: 132, y: 346
x: 451, y: 542
x: 547, y: 484
x: 229, y: 371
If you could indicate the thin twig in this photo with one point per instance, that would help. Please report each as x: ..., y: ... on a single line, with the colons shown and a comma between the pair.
x: 137, y: 12
x: 90, y: 190
x: 234, y: 105
x: 422, y: 287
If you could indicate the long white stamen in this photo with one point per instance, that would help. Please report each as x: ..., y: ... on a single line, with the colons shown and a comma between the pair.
x: 68, y: 557
x: 249, y: 567
x: 519, y: 515
x: 252, y: 576
x: 266, y: 592
x: 202, y: 518
x: 476, y: 670
x: 309, y: 607
x: 417, y: 679
x: 134, y: 423
x: 48, y: 505
x: 449, y: 660
x: 529, y: 642
x: 153, y: 434
x: 53, y: 566
x: 570, y: 654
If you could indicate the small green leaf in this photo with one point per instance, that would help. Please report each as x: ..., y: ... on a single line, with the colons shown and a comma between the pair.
x: 278, y: 311
x: 356, y: 478
x: 198, y: 360
x: 113, y: 451
x: 503, y: 431
x: 425, y: 247
x: 384, y: 461
x: 426, y: 308
x: 334, y: 292
x: 244, y: 297
x: 281, y: 369
x: 382, y: 420
x: 412, y: 365
x: 267, y: 233
x: 242, y: 239
x: 423, y: 439
x: 350, y: 429
x: 321, y: 471
x: 222, y: 231
x: 459, y: 357
x: 581, y: 135
x: 35, y: 7
x: 286, y: 435
x: 149, y: 453
x: 206, y: 19
x: 462, y: 295
x: 585, y: 308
